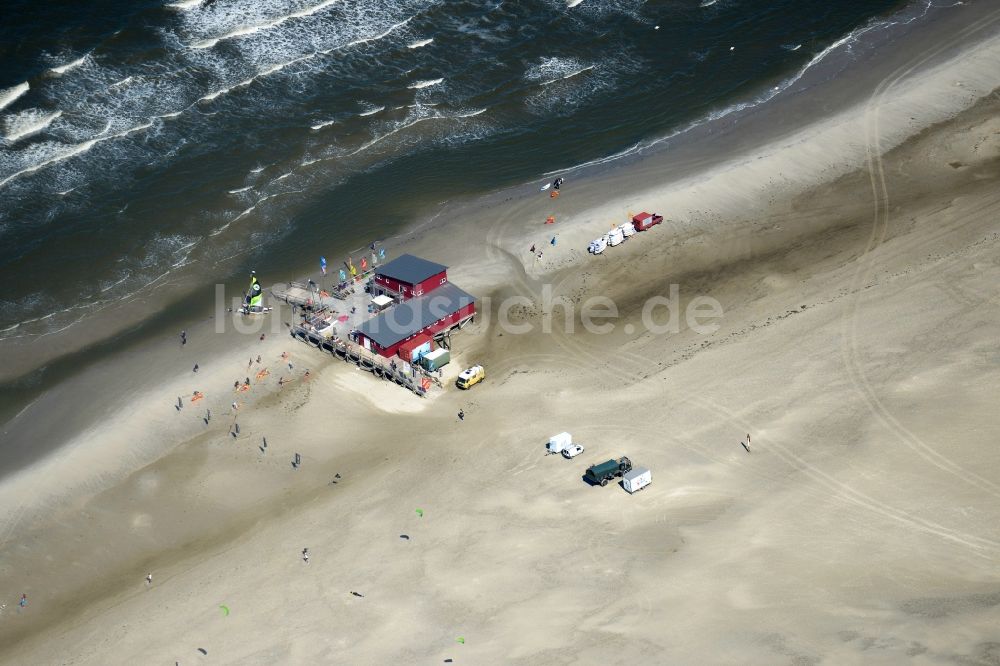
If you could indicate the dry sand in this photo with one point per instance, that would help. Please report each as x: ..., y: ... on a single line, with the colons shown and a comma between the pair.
x: 856, y: 262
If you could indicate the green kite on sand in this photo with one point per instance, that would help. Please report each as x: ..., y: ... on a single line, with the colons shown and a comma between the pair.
x: 460, y: 640
x: 225, y: 610
x: 420, y: 512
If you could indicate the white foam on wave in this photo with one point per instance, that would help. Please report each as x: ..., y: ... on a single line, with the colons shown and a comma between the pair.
x: 127, y: 79
x: 364, y: 40
x: 267, y: 25
x: 425, y: 84
x: 570, y: 4
x: 8, y: 95
x: 422, y: 42
x: 548, y: 70
x: 470, y: 114
x: 562, y: 86
x: 371, y: 112
x: 51, y: 153
x: 707, y: 3
x: 27, y: 123
x: 242, y: 189
x: 791, y: 47
x: 184, y: 5
x: 325, y: 123
x: 57, y: 153
x: 569, y: 75
x: 62, y: 69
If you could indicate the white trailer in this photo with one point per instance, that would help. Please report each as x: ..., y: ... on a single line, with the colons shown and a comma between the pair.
x: 559, y: 442
x: 627, y: 229
x: 637, y: 479
x: 615, y: 237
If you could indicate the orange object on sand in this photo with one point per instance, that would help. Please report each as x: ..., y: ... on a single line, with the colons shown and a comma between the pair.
x: 198, y: 395
x: 554, y: 194
x: 244, y: 388
x: 324, y: 294
x: 551, y: 219
x: 263, y: 373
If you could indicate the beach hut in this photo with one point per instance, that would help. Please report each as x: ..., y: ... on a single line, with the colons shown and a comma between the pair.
x: 444, y: 308
x: 408, y: 277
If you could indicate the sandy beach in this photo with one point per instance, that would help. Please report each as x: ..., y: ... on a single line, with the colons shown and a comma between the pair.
x: 854, y: 255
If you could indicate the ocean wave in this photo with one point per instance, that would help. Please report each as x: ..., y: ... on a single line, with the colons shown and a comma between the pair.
x: 127, y: 79
x: 56, y: 155
x: 325, y: 123
x: 267, y: 25
x: 425, y: 84
x: 9, y: 95
x: 470, y: 114
x: 62, y: 69
x: 707, y: 3
x: 570, y: 4
x: 60, y: 152
x: 569, y: 76
x: 422, y: 42
x: 183, y: 5
x: 371, y: 112
x: 548, y: 70
x: 374, y: 38
x: 272, y: 69
x: 791, y: 47
x: 27, y: 123
x: 242, y: 189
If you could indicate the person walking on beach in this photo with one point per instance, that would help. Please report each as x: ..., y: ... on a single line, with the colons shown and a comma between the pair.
x: 305, y: 555
x: 149, y: 579
x: 184, y: 338
x: 24, y: 601
x: 461, y: 415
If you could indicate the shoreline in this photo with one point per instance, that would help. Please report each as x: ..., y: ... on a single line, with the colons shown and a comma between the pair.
x: 770, y: 250
x: 96, y: 336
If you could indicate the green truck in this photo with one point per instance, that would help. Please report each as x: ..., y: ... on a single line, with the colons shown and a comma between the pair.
x: 607, y: 471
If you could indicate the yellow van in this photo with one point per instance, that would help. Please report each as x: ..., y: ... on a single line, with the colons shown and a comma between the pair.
x: 471, y: 377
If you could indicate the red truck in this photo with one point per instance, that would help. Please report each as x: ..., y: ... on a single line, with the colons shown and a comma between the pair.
x: 644, y: 221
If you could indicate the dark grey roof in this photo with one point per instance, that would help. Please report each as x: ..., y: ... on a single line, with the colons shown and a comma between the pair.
x: 404, y: 320
x: 407, y: 268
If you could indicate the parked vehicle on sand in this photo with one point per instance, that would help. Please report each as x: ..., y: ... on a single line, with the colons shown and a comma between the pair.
x: 607, y: 471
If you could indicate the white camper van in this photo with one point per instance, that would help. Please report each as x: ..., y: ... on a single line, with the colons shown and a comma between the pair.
x: 559, y: 442
x: 598, y: 246
x: 616, y: 237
